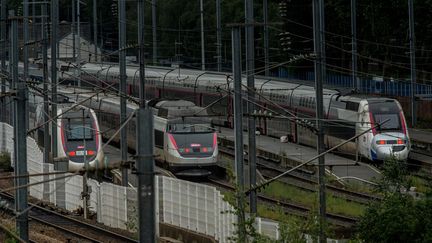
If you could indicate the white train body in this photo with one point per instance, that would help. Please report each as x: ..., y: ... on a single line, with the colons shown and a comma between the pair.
x: 347, y: 115
x: 187, y: 145
x: 80, y: 145
x: 78, y: 135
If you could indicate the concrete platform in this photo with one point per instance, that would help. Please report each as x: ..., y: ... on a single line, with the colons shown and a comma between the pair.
x: 341, y: 167
x: 423, y: 136
x: 421, y: 139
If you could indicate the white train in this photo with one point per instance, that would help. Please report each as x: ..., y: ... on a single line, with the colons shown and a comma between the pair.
x: 346, y: 115
x: 185, y: 144
x: 78, y: 136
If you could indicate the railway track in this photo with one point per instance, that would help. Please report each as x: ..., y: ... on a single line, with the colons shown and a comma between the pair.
x: 84, y: 231
x: 310, y: 185
x: 423, y: 158
x: 291, y: 208
x: 306, y: 182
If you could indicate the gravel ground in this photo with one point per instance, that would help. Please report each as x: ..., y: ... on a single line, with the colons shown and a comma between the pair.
x: 42, y: 233
x: 37, y: 231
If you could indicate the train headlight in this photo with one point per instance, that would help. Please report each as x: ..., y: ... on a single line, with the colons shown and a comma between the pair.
x: 206, y: 149
x: 380, y: 142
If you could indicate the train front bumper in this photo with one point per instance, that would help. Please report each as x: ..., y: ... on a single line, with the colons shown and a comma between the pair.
x: 390, y: 145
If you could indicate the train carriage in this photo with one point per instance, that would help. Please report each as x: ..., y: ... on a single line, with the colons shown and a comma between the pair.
x: 346, y: 115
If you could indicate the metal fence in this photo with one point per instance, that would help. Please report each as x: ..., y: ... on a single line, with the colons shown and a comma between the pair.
x: 272, y: 230
x: 185, y: 204
x: 198, y: 208
x: 368, y: 85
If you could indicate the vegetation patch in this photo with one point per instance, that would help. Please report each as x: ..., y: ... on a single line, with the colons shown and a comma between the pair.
x: 400, y: 216
x: 293, y: 194
x: 5, y: 161
x: 422, y: 185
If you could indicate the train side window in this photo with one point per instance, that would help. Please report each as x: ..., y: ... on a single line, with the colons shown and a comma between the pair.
x: 353, y: 106
x: 159, y: 139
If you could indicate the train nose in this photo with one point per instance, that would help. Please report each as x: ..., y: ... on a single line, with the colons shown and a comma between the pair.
x: 390, y: 145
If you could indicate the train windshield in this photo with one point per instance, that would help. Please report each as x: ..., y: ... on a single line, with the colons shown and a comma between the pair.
x: 393, y: 122
x: 386, y: 111
x: 79, y: 132
x: 189, y: 128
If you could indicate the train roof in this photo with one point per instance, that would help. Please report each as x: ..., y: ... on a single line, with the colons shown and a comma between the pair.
x: 172, y: 109
x: 171, y: 104
x: 197, y: 78
x: 76, y: 112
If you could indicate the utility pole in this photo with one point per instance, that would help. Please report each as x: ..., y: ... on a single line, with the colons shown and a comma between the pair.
x: 25, y: 50
x: 3, y: 56
x: 122, y: 60
x: 79, y: 42
x: 250, y: 68
x: 144, y: 148
x: 95, y: 29
x: 202, y: 36
x: 356, y: 81
x: 141, y: 52
x: 85, y: 194
x: 177, y: 46
x: 54, y: 41
x: 154, y: 35
x: 318, y: 27
x: 413, y: 63
x: 34, y: 21
x: 218, y: 35
x: 47, y: 142
x: 238, y: 130
x: 26, y: 38
x: 266, y: 40
x: 20, y: 134
x: 73, y: 32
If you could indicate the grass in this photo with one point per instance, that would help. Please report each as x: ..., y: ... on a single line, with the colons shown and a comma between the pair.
x: 309, y: 199
x: 264, y: 210
x: 360, y: 187
x: 421, y: 184
x: 5, y: 160
x: 292, y: 194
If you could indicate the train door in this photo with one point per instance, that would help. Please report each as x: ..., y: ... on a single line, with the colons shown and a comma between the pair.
x: 363, y: 145
x: 160, y: 141
x: 294, y: 129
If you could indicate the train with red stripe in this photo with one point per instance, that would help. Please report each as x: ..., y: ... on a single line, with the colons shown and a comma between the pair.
x: 346, y: 114
x: 185, y: 141
x: 184, y: 138
x: 78, y: 135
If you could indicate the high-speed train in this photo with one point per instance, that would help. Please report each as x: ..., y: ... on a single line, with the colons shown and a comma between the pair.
x: 78, y: 134
x: 185, y: 143
x: 345, y: 115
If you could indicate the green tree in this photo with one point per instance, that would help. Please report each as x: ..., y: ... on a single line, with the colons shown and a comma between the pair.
x: 399, y: 217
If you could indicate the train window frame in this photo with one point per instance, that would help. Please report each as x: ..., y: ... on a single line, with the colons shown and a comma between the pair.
x: 88, y: 126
